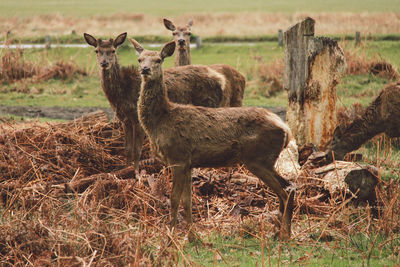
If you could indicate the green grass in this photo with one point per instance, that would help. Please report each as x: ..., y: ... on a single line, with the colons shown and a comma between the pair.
x: 359, y: 89
x: 160, y: 7
x: 356, y: 250
x: 86, y: 91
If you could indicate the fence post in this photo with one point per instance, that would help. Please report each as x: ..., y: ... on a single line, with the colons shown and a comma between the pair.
x: 280, y: 37
x: 358, y: 38
x: 198, y: 42
x: 47, y: 41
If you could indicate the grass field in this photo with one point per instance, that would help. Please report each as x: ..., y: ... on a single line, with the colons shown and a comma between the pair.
x: 86, y: 91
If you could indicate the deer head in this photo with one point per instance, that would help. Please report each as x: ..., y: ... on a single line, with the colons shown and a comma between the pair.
x: 150, y: 61
x: 181, y: 33
x: 105, y: 50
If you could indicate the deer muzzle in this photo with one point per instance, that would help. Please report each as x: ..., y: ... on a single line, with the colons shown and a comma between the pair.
x: 145, y: 71
x: 104, y: 64
x: 181, y: 42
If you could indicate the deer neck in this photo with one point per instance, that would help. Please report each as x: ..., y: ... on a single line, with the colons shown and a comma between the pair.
x: 153, y: 103
x: 111, y: 84
x: 361, y: 130
x: 182, y: 57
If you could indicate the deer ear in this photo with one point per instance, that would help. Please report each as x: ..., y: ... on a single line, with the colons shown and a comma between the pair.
x: 138, y: 47
x: 190, y: 24
x: 168, y: 49
x: 119, y: 40
x: 169, y: 25
x: 90, y: 39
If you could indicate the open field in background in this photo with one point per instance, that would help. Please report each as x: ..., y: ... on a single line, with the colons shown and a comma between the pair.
x: 159, y: 7
x: 243, y: 24
x: 259, y: 62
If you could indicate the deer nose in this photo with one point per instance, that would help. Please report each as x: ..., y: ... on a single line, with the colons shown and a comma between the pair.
x: 181, y: 42
x: 145, y: 70
x: 104, y: 64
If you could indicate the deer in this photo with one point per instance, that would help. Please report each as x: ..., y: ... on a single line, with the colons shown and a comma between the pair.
x: 181, y: 36
x: 187, y: 136
x: 381, y: 116
x: 211, y: 86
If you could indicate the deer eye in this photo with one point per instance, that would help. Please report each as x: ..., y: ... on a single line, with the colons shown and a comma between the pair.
x: 139, y: 60
x: 158, y: 60
x: 96, y: 51
x: 113, y: 51
x: 174, y: 33
x: 188, y: 33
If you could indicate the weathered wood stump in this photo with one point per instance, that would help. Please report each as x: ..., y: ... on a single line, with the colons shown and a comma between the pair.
x: 313, y: 68
x: 342, y: 177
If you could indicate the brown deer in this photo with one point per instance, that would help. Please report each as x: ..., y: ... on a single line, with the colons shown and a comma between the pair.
x: 381, y: 116
x: 182, y: 39
x: 186, y: 137
x: 211, y: 86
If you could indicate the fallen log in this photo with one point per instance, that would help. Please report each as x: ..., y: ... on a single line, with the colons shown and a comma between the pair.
x: 345, y: 178
x: 81, y: 184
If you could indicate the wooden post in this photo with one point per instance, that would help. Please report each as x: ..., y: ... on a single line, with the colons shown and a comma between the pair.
x: 358, y: 38
x: 47, y: 41
x: 280, y: 37
x: 198, y: 42
x: 313, y: 68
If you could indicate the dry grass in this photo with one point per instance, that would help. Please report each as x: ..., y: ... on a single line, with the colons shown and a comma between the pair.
x: 113, y: 220
x: 15, y: 67
x: 270, y: 78
x: 358, y: 63
x: 243, y: 23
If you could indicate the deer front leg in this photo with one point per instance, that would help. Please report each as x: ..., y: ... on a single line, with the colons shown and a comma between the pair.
x: 180, y: 175
x: 187, y: 206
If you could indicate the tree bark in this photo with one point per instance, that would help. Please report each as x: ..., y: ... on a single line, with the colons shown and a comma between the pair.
x: 313, y: 68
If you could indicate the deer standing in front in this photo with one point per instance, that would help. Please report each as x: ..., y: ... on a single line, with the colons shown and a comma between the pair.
x: 182, y: 40
x: 186, y: 137
x: 211, y: 86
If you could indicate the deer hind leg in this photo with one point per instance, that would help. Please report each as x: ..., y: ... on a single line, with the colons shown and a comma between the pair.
x: 181, y: 174
x: 137, y: 140
x: 128, y: 129
x: 278, y: 185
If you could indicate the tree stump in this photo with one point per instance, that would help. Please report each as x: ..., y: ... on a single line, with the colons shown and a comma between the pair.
x: 313, y: 68
x: 342, y: 177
